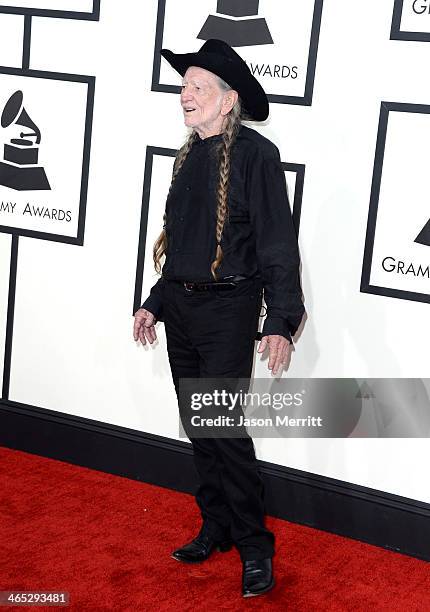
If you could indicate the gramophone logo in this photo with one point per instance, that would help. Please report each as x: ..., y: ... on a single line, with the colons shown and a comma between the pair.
x: 424, y: 235
x: 277, y: 40
x: 411, y: 20
x: 248, y: 30
x: 19, y: 169
x: 396, y: 260
x: 72, y: 9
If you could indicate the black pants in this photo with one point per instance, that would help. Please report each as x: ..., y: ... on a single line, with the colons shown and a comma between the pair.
x: 212, y: 334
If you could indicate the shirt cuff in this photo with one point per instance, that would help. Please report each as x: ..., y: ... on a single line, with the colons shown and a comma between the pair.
x: 154, y: 304
x: 276, y: 326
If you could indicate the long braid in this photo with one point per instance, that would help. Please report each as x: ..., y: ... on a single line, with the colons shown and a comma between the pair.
x: 229, y: 136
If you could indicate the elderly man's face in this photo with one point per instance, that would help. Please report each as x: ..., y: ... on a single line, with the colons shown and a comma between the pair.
x: 201, y: 92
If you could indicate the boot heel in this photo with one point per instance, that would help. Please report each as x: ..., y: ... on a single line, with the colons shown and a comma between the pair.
x: 224, y: 546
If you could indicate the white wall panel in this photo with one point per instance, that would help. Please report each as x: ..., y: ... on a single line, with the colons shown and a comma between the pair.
x: 73, y: 349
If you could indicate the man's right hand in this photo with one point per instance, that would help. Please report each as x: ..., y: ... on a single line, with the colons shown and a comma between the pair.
x: 144, y: 326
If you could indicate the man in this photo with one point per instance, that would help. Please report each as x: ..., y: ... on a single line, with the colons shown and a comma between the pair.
x: 228, y: 235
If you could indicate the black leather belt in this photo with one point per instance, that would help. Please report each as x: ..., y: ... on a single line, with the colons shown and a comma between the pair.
x: 226, y: 283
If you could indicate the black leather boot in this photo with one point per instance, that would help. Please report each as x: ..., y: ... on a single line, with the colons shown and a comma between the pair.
x: 257, y: 577
x: 202, y: 547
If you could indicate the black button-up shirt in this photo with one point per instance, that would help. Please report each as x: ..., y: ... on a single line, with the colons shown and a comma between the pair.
x: 258, y: 239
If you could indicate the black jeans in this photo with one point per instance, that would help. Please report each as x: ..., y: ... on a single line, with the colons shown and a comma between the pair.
x: 212, y: 334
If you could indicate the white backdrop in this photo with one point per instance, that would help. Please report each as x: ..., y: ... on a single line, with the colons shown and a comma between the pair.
x: 73, y: 349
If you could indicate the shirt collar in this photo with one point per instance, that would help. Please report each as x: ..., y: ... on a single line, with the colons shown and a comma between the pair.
x: 214, y: 138
x: 208, y: 139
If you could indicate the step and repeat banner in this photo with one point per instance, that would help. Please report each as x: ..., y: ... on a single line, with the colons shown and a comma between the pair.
x: 90, y: 124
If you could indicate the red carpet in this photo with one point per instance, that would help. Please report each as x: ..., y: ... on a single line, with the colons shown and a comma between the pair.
x: 107, y: 540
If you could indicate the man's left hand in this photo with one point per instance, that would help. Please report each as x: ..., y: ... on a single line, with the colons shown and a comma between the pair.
x: 278, y: 351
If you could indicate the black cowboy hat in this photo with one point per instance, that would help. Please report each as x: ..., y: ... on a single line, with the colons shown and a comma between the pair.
x: 218, y: 57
